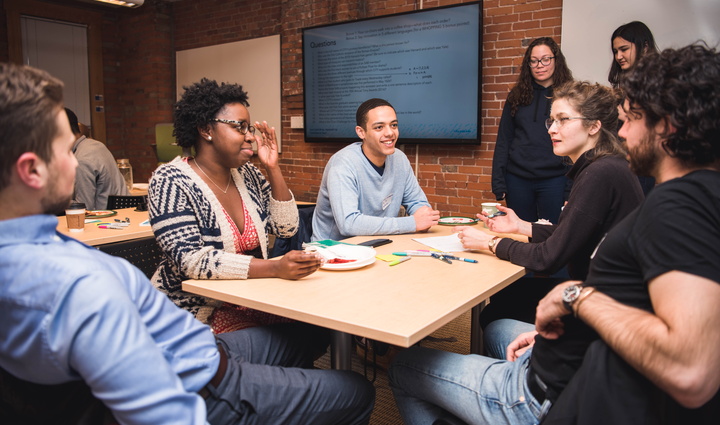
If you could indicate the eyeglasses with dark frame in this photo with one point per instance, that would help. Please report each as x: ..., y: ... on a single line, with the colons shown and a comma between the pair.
x: 545, y: 61
x: 561, y: 121
x: 242, y: 127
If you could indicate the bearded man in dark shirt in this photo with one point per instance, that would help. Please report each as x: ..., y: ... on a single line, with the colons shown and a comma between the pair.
x: 637, y: 341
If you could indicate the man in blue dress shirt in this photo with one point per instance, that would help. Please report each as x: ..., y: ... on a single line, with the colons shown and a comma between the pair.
x: 71, y: 313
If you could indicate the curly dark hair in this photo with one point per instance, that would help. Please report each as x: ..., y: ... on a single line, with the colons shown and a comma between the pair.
x: 199, y: 105
x: 638, y: 34
x: 682, y: 85
x: 521, y: 94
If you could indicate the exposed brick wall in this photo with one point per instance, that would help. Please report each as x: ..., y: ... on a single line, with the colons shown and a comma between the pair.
x: 139, y: 57
x: 138, y: 72
x: 4, y: 53
x: 139, y: 77
x: 455, y: 178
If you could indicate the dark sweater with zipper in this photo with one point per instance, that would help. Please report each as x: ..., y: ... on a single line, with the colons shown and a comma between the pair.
x: 523, y: 146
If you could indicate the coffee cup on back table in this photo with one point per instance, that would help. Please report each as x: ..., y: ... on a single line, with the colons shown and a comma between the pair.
x: 75, y: 215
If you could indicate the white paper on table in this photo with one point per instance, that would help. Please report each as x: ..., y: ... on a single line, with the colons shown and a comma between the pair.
x: 449, y: 243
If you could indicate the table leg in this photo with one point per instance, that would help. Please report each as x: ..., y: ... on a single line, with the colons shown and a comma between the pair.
x: 341, y: 351
x: 476, y: 336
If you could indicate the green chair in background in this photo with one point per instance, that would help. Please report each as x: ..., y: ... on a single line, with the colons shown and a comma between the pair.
x: 165, y: 147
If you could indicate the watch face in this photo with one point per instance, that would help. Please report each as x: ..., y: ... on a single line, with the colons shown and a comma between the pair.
x: 571, y: 293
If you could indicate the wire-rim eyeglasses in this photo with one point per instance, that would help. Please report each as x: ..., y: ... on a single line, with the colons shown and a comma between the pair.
x: 561, y: 121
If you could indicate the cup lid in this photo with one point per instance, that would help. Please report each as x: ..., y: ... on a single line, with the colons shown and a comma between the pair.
x: 76, y: 206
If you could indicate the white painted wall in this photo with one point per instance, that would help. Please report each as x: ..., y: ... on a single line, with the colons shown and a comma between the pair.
x: 588, y: 25
x: 254, y: 64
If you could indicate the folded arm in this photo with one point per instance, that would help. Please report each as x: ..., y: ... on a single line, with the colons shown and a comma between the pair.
x: 676, y: 348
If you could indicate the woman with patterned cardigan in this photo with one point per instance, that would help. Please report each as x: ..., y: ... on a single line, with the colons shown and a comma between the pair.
x: 212, y: 213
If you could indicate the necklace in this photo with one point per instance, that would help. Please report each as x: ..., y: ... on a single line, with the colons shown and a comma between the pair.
x: 213, y: 181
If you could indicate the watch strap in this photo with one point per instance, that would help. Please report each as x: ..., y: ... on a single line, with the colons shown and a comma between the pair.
x: 492, y: 243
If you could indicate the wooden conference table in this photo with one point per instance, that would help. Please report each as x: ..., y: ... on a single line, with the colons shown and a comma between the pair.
x: 399, y: 305
x: 93, y: 235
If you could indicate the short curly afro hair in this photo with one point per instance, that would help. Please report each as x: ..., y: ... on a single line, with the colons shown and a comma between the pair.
x: 199, y: 105
x: 683, y: 85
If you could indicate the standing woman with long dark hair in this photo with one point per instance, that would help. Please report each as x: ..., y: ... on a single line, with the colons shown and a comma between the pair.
x: 526, y: 173
x: 629, y: 43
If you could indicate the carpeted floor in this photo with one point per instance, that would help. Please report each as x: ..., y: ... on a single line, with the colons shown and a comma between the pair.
x: 385, y: 412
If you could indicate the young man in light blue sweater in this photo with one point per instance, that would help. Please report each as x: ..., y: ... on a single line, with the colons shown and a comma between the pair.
x: 365, y: 184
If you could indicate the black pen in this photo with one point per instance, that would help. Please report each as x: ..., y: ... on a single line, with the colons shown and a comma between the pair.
x: 441, y: 257
x: 467, y: 260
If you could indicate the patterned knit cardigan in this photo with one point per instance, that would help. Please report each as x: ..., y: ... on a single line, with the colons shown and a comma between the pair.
x: 190, y: 226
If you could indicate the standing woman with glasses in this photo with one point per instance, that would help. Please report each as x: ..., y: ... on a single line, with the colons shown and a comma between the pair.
x: 582, y: 126
x: 212, y: 213
x: 525, y: 172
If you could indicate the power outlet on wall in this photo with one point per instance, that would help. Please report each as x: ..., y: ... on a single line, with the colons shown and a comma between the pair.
x: 297, y: 122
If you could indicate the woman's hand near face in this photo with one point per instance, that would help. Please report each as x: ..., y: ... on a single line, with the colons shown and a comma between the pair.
x: 268, y: 153
x: 472, y: 238
x: 267, y: 144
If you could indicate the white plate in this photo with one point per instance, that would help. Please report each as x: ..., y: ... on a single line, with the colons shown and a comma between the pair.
x: 140, y: 186
x: 362, y: 255
x: 457, y: 221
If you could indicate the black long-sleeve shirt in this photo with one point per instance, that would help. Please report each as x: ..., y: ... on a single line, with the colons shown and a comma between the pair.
x: 523, y: 146
x: 604, y: 191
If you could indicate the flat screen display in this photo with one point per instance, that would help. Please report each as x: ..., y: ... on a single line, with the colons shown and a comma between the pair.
x: 425, y: 63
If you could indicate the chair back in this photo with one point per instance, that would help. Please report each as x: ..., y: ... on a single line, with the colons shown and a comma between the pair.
x: 27, y: 403
x: 284, y: 245
x: 166, y: 148
x: 143, y: 253
x: 130, y: 201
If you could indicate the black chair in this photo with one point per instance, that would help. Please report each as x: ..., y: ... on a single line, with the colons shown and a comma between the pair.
x: 119, y: 201
x: 143, y: 253
x: 284, y: 245
x: 27, y: 403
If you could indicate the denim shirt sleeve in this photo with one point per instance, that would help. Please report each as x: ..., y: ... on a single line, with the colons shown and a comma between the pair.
x: 110, y: 347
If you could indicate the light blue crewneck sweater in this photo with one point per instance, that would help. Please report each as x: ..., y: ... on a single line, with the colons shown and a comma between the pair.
x: 355, y: 200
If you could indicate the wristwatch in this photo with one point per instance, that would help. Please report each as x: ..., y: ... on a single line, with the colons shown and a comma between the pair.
x: 570, y: 295
x: 492, y: 242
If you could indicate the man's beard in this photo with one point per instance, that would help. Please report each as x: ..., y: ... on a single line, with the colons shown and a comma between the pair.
x: 54, y: 203
x: 645, y: 157
x: 56, y: 206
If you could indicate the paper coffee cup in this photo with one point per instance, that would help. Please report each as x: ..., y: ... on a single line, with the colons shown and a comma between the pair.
x: 490, y: 207
x: 75, y: 215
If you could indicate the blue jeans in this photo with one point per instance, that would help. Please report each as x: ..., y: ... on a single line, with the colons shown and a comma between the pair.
x: 430, y: 384
x: 264, y: 384
x: 498, y: 334
x: 532, y: 199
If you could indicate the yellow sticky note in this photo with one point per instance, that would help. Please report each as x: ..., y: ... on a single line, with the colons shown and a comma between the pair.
x: 387, y: 257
